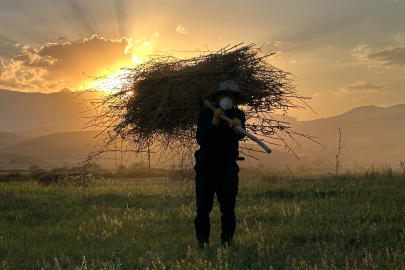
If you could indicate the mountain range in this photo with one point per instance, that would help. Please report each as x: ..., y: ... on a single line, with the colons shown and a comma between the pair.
x: 23, y: 111
x: 43, y: 129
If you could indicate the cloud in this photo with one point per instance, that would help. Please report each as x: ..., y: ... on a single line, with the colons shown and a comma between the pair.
x: 15, y: 76
x: 277, y: 43
x: 181, y: 29
x: 394, y: 57
x: 54, y: 66
x: 8, y: 49
x: 61, y: 38
x: 361, y: 87
x: 2, y: 68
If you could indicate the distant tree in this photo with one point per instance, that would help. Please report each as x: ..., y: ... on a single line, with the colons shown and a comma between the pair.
x: 138, y: 166
x: 65, y: 166
x: 121, y: 169
x: 173, y: 166
x: 33, y: 167
x: 91, y: 167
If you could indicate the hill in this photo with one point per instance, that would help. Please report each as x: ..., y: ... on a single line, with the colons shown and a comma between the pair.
x: 45, y: 126
x: 10, y: 160
x: 58, y: 148
x: 368, y: 135
x: 47, y: 130
x: 7, y: 139
x: 358, y: 113
x: 22, y: 111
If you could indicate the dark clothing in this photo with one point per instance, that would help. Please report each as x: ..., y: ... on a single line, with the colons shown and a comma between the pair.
x: 216, y: 172
x: 221, y: 178
x: 221, y: 140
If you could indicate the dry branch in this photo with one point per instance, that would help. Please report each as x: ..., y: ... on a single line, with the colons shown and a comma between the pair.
x: 155, y: 106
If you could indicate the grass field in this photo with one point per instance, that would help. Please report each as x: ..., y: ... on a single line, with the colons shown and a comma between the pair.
x: 355, y: 221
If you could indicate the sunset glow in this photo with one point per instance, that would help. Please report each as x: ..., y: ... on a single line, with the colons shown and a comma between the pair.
x: 136, y: 59
x: 112, y: 83
x: 185, y: 134
x: 336, y: 60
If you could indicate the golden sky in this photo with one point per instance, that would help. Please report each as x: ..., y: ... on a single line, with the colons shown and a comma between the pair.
x: 343, y: 54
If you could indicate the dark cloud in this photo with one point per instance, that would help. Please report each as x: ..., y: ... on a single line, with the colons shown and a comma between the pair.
x: 89, y: 56
x: 2, y: 67
x: 33, y: 60
x: 62, y: 65
x: 62, y: 38
x: 389, y: 57
x: 344, y: 24
x: 9, y: 48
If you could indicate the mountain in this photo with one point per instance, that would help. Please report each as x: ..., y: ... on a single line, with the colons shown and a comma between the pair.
x: 368, y: 135
x: 47, y: 130
x: 22, y: 111
x: 56, y: 148
x: 13, y: 160
x: 359, y: 113
x: 9, y: 138
x: 44, y: 128
x: 361, y: 123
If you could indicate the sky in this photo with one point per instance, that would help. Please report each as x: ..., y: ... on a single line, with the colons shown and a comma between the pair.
x: 342, y: 54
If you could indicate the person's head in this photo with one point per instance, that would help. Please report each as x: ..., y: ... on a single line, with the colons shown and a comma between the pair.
x: 227, y: 89
x: 226, y: 100
x: 226, y: 94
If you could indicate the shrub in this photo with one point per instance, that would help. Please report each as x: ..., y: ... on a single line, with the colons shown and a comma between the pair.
x: 37, y: 173
x: 187, y: 175
x: 33, y: 167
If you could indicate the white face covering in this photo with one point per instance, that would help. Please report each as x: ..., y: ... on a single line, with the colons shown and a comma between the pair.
x: 225, y: 104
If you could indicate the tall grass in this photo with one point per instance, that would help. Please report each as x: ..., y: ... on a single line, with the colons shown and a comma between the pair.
x: 355, y: 221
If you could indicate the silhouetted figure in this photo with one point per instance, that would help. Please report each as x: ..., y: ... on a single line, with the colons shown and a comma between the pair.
x: 216, y: 168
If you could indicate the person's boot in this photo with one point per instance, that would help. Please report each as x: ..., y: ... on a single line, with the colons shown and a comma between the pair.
x: 226, y: 243
x: 202, y: 245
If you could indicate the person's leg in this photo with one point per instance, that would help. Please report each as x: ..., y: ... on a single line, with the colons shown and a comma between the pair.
x: 205, y: 198
x: 227, y: 190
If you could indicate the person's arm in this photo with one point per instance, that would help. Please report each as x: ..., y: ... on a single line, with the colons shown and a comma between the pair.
x: 205, y: 126
x: 242, y: 118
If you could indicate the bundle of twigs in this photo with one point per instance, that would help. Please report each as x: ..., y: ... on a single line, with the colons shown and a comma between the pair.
x: 156, y: 104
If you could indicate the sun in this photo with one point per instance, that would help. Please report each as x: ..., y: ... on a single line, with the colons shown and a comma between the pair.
x: 135, y: 59
x: 117, y: 79
x: 113, y: 82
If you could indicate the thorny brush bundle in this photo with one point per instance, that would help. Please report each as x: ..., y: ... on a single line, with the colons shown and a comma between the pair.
x: 155, y: 106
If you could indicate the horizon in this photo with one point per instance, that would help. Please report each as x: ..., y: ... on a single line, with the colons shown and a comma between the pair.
x: 371, y: 134
x: 287, y: 115
x: 342, y: 54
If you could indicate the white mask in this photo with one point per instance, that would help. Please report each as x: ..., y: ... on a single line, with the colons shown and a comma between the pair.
x: 225, y: 104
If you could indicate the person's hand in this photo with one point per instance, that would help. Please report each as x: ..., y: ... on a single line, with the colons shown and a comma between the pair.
x: 235, y: 122
x: 217, y: 113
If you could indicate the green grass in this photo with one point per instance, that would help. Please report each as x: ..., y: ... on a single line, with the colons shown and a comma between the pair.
x: 353, y: 222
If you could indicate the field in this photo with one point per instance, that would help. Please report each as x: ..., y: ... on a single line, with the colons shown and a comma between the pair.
x: 354, y: 221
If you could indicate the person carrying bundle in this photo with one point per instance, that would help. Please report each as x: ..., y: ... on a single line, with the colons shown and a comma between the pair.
x: 216, y: 168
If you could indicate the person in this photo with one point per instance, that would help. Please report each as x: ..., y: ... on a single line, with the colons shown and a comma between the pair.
x: 216, y: 168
